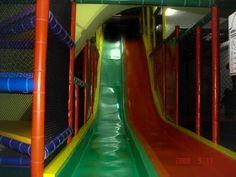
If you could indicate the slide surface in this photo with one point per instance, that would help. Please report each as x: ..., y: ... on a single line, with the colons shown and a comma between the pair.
x: 107, y: 149
x: 108, y: 152
x: 173, y: 152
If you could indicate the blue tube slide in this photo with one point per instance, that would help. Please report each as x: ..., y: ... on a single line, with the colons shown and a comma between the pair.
x: 16, y: 84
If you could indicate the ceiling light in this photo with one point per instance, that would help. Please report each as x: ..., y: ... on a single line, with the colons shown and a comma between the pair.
x: 170, y: 12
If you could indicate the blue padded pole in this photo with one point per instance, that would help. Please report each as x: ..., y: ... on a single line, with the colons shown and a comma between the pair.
x: 16, y: 161
x: 16, y: 84
x: 59, y: 31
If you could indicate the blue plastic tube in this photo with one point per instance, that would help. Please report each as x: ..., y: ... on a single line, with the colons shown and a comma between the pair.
x: 26, y: 22
x: 19, y: 161
x: 26, y: 148
x: 16, y: 84
x: 59, y: 31
x: 15, y: 145
x: 57, y: 141
x: 12, y: 74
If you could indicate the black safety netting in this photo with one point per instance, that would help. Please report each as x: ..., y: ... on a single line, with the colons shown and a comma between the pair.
x: 227, y: 85
x: 206, y: 82
x: 227, y: 110
x: 187, y: 84
x: 57, y: 74
x: 16, y: 56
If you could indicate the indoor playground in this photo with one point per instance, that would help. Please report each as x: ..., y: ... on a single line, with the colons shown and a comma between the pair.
x: 117, y: 88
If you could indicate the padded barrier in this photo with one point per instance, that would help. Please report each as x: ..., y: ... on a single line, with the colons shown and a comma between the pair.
x: 57, y: 141
x: 26, y: 148
x: 5, y: 160
x: 15, y: 145
x: 16, y: 82
x: 12, y: 75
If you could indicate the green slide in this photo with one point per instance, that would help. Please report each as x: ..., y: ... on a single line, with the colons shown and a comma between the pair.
x: 109, y: 148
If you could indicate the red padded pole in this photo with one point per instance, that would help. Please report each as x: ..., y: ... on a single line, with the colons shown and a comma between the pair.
x: 71, y: 71
x: 164, y: 80
x: 215, y: 72
x: 177, y: 32
x: 38, y: 113
x: 198, y: 80
x: 76, y: 125
x: 85, y: 78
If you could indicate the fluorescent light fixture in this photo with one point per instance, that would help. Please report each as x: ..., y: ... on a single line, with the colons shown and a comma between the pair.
x: 170, y: 12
